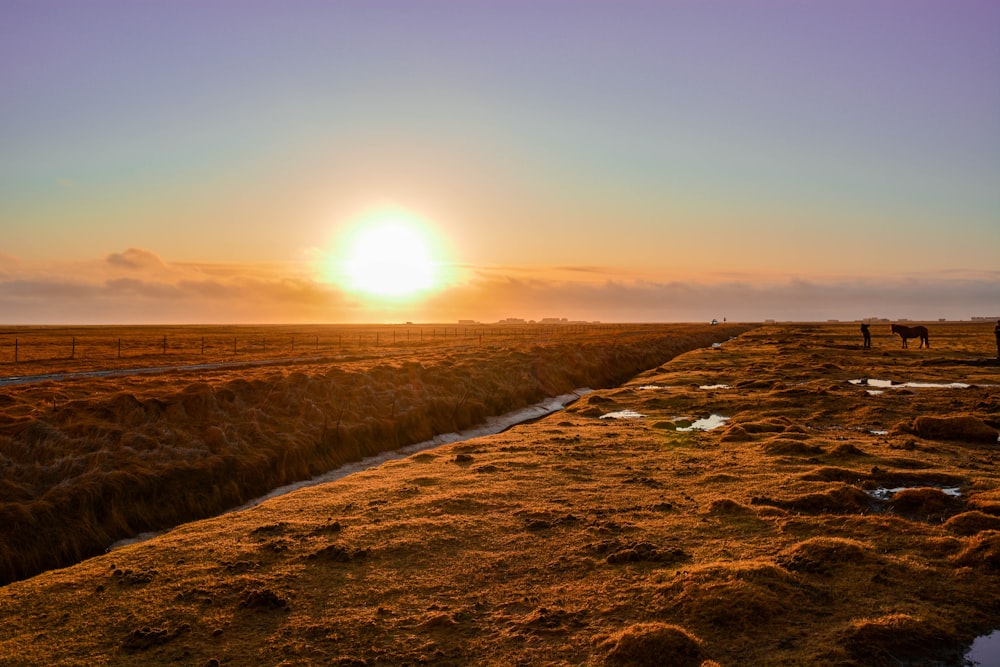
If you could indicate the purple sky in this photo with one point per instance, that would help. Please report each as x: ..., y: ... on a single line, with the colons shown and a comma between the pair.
x: 797, y: 160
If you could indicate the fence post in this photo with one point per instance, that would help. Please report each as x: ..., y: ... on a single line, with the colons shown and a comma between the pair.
x: 263, y: 344
x: 72, y: 352
x: 234, y: 344
x: 203, y: 346
x: 15, y: 350
x: 119, y: 348
x: 164, y: 345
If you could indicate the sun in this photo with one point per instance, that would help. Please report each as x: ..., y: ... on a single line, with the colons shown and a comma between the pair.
x: 390, y: 256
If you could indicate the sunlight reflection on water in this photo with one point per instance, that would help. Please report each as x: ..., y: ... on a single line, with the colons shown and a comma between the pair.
x: 869, y: 382
x: 883, y: 493
x: 706, y: 424
x: 623, y: 414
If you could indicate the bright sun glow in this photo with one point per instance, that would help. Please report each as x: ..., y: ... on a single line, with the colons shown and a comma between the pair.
x: 390, y: 256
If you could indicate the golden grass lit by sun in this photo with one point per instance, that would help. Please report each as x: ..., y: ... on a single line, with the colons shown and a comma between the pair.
x: 390, y: 255
x: 841, y: 507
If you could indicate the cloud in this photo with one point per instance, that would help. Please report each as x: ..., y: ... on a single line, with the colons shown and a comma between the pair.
x: 135, y: 259
x: 490, y: 298
x: 137, y: 286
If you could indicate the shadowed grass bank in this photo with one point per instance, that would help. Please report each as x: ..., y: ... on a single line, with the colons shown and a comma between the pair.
x: 85, y: 471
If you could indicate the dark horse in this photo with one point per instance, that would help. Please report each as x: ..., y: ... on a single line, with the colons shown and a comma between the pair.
x: 912, y: 332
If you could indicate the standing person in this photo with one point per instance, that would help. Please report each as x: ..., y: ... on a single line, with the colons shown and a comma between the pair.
x: 868, y: 336
x: 996, y: 332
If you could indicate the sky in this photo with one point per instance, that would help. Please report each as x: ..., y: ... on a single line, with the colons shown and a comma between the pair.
x: 218, y: 161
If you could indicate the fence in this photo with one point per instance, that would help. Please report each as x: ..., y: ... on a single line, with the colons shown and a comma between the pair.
x: 40, y: 344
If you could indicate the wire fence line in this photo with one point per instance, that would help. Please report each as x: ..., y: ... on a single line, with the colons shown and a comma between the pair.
x: 39, y: 344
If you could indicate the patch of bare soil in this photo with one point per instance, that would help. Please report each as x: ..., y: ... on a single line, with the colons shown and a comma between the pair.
x: 817, y: 536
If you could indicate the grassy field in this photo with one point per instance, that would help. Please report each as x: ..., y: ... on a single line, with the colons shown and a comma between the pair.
x: 29, y: 350
x: 845, y: 512
x: 88, y: 461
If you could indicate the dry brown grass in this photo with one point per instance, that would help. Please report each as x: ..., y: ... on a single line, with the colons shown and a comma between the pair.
x: 576, y: 540
x: 88, y: 462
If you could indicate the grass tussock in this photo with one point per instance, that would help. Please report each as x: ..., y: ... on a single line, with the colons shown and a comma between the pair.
x: 823, y: 555
x: 734, y: 597
x: 653, y: 645
x: 970, y: 523
x: 926, y: 502
x: 960, y: 428
x: 981, y: 552
x: 896, y: 639
x: 842, y: 499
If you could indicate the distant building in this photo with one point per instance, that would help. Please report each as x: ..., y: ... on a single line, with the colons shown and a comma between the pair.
x: 468, y: 322
x: 554, y: 320
x: 512, y: 320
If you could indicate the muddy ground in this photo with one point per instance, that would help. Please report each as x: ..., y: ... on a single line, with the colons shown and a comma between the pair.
x: 824, y: 522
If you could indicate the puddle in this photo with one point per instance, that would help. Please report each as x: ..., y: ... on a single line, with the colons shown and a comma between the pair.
x: 886, y: 384
x: 716, y: 344
x: 879, y: 432
x: 623, y: 414
x: 714, y: 386
x: 883, y: 493
x: 985, y: 651
x: 654, y: 386
x: 706, y: 424
x: 875, y: 392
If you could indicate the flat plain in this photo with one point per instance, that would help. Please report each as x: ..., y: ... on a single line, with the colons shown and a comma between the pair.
x: 845, y: 511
